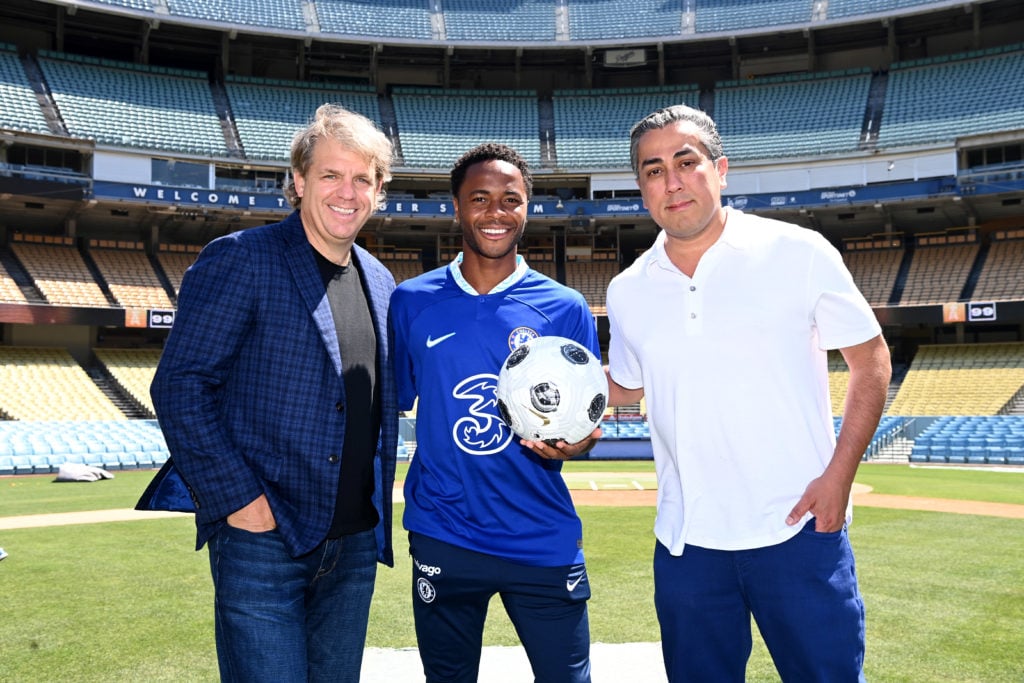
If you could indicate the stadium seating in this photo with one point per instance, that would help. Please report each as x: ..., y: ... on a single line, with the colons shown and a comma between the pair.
x: 48, y: 384
x: 961, y: 379
x: 938, y: 273
x: 268, y: 112
x: 714, y: 16
x: 843, y: 9
x: 378, y: 18
x: 9, y: 290
x: 130, y: 105
x: 494, y: 20
x: 20, y: 110
x: 279, y: 14
x: 591, y: 278
x: 1000, y: 277
x: 541, y: 259
x: 990, y: 97
x: 989, y: 440
x: 403, y: 264
x: 623, y: 19
x: 175, y: 260
x: 133, y: 370
x: 126, y: 268
x: 58, y: 271
x: 38, y: 447
x: 772, y: 117
x: 874, y: 271
x: 592, y: 126
x: 504, y: 116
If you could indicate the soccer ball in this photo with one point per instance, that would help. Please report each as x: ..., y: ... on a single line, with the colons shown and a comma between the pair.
x: 551, y: 389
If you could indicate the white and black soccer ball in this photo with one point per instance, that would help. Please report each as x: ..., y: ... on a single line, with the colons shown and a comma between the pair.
x: 551, y: 389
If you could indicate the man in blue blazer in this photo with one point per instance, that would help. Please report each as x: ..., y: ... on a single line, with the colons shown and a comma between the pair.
x: 277, y: 400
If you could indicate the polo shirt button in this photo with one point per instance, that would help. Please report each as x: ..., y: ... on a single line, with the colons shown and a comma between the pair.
x: 332, y: 458
x: 693, y: 288
x: 339, y: 406
x: 692, y: 316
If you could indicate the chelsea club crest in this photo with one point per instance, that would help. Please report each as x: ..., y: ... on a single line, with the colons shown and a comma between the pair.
x: 520, y: 335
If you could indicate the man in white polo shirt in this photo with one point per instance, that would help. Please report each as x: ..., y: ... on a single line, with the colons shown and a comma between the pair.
x: 724, y: 326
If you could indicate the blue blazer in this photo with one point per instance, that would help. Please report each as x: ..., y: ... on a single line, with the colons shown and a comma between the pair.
x: 249, y: 392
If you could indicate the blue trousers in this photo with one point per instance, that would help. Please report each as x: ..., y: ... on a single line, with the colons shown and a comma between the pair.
x: 282, y: 619
x: 802, y: 593
x: 451, y: 589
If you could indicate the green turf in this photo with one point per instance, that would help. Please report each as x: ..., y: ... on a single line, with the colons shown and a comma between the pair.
x: 991, y: 485
x: 131, y: 601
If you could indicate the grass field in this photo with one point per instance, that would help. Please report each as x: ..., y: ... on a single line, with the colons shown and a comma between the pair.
x: 131, y: 601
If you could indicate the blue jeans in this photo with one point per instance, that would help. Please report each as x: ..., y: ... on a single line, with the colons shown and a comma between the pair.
x: 802, y: 593
x: 280, y: 618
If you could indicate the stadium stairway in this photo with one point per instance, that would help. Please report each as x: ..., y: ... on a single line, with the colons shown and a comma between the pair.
x: 108, y: 385
x: 21, y: 277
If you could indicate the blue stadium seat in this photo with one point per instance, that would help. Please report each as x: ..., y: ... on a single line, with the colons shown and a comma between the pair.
x: 22, y: 464
x: 976, y: 455
x: 40, y: 464
x: 957, y: 454
x: 6, y: 464
x: 144, y: 459
x: 995, y: 455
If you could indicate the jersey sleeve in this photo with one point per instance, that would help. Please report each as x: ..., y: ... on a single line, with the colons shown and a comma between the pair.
x: 398, y: 333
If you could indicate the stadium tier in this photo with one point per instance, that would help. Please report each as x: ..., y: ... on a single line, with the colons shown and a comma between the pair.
x: 933, y: 274
x: 995, y: 440
x: 727, y: 15
x: 961, y: 379
x: 21, y: 110
x: 48, y: 384
x: 127, y: 105
x: 919, y: 111
x: 268, y: 112
x: 773, y: 119
x: 589, y: 125
x: 133, y: 132
x: 509, y: 117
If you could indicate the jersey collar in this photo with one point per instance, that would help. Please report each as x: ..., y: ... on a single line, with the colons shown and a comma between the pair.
x: 455, y: 268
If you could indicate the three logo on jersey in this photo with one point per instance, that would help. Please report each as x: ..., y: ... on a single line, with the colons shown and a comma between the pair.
x: 481, y: 431
x: 428, y: 593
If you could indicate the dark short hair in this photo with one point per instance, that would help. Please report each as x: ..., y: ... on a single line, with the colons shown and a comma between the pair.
x: 486, y: 152
x: 662, y: 117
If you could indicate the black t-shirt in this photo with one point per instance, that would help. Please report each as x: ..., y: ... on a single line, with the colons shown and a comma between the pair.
x: 354, y: 511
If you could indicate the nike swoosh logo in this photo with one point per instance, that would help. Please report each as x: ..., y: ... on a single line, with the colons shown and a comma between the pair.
x: 571, y: 585
x: 431, y: 343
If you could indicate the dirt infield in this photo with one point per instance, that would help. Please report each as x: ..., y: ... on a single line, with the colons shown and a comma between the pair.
x: 862, y: 496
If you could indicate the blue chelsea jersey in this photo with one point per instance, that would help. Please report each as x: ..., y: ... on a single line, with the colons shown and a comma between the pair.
x: 470, y: 483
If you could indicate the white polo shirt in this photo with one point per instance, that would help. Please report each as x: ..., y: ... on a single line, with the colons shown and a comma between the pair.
x: 733, y: 363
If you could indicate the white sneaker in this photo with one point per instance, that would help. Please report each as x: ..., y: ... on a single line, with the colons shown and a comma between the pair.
x: 3, y: 553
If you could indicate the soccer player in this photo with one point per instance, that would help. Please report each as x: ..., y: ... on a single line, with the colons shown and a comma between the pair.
x: 486, y: 513
x: 724, y: 325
